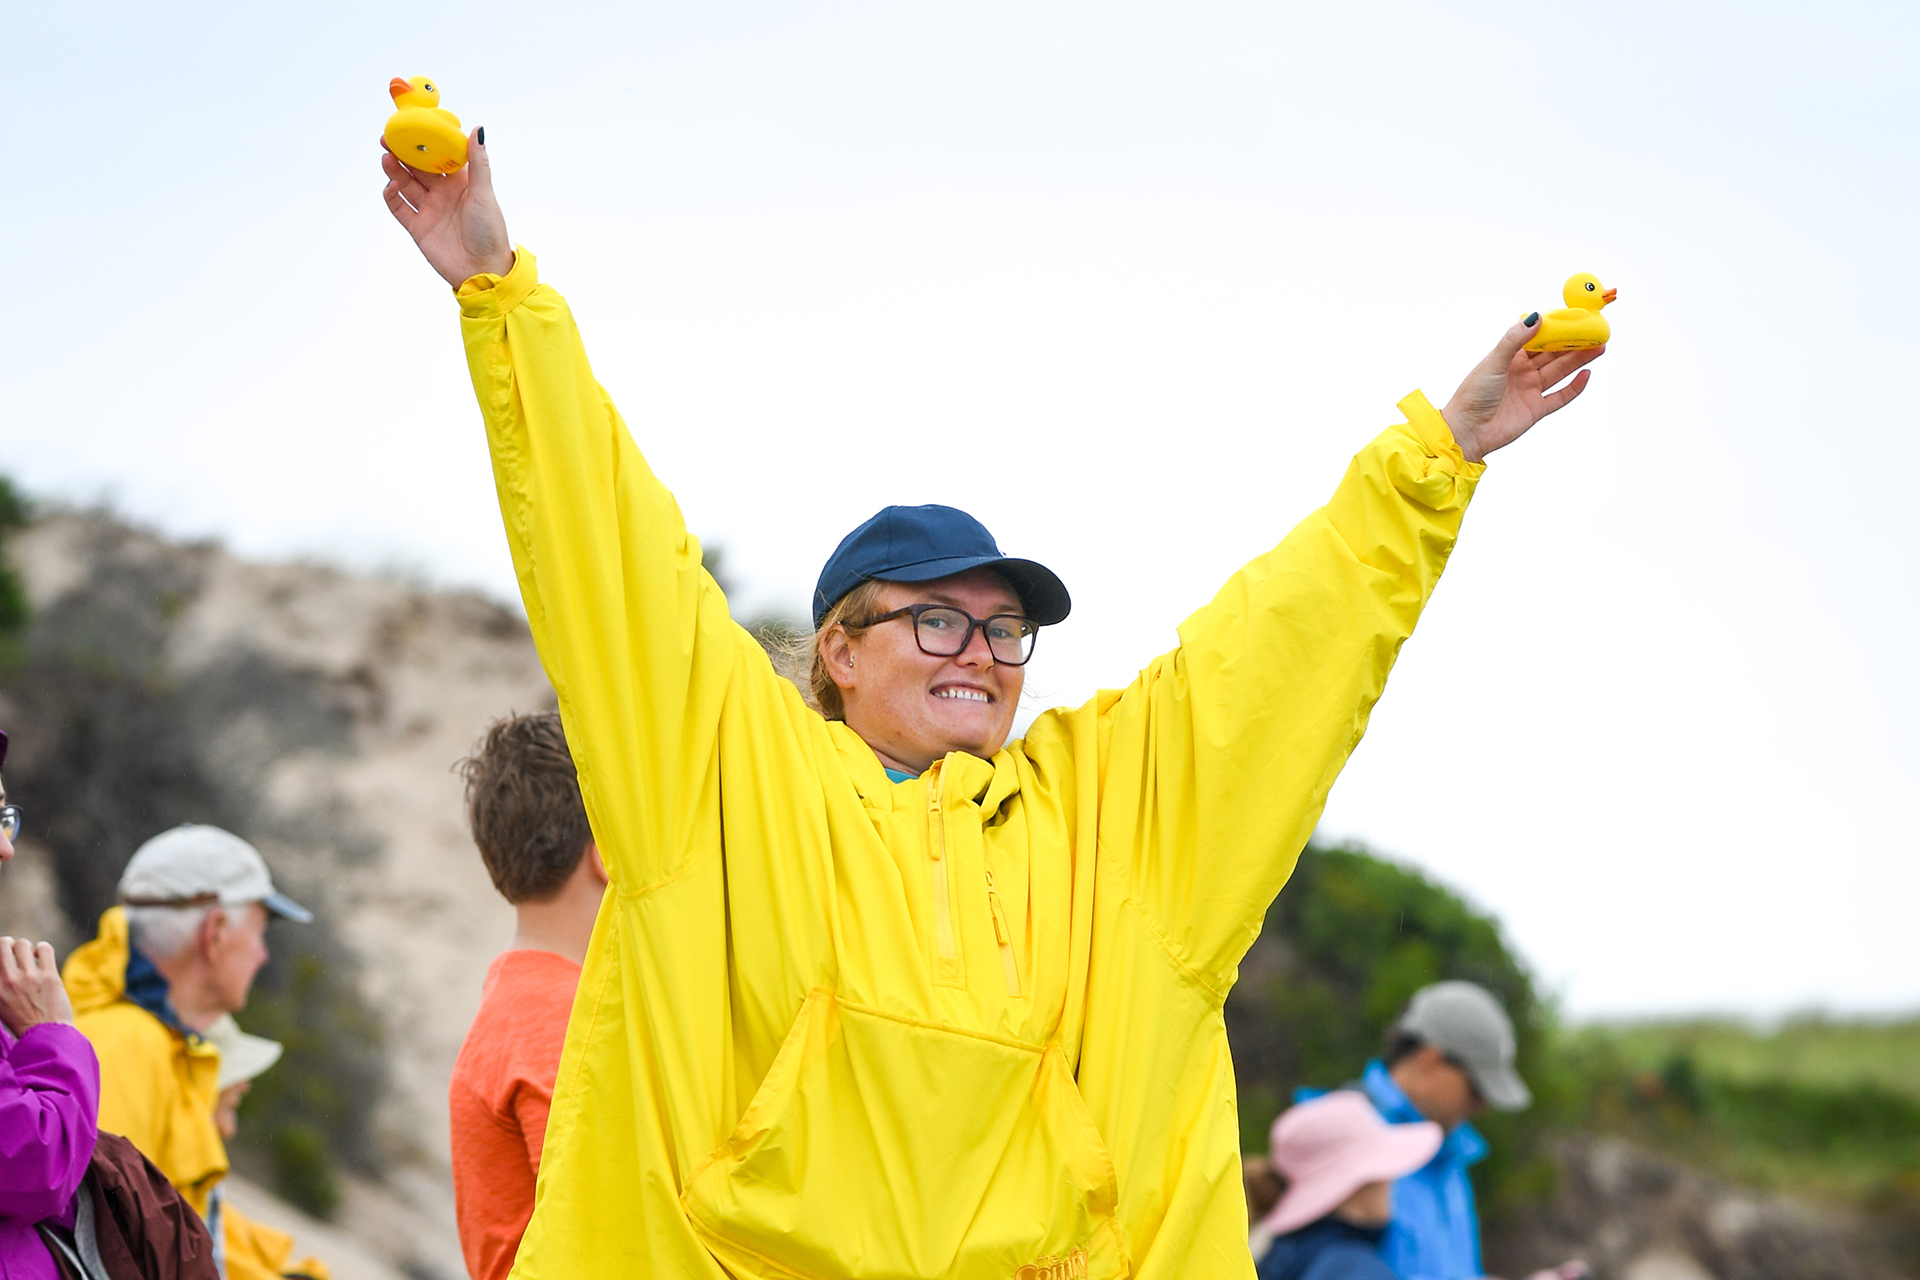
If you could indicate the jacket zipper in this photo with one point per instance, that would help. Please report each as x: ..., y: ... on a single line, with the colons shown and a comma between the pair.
x: 937, y: 845
x: 1003, y: 931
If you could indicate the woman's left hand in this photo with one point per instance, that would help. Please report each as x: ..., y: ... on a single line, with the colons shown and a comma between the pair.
x: 1508, y: 392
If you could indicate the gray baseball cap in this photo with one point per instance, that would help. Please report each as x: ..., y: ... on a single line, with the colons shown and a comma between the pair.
x: 1465, y: 1022
x: 197, y: 865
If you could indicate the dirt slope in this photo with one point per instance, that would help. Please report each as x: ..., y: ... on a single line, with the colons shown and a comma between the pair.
x: 335, y: 707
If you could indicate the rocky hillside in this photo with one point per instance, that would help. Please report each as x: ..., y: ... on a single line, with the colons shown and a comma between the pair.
x: 1633, y: 1215
x: 319, y: 714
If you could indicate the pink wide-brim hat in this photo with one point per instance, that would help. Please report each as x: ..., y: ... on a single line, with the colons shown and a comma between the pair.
x: 1329, y: 1147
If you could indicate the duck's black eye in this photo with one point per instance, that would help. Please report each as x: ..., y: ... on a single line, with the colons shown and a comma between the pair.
x: 430, y: 89
x: 1589, y: 286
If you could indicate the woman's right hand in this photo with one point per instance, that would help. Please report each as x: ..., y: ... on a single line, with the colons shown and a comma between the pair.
x: 30, y: 988
x: 453, y: 217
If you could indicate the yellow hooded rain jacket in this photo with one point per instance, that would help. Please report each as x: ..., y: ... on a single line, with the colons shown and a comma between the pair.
x: 967, y: 1025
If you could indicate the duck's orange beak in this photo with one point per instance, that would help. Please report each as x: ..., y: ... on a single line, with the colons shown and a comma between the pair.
x: 398, y: 87
x: 1609, y: 296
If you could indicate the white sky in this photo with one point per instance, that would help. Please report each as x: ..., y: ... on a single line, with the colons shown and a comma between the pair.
x: 1130, y: 283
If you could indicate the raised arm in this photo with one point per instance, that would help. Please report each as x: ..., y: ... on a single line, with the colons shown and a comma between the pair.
x: 634, y: 634
x: 1227, y: 747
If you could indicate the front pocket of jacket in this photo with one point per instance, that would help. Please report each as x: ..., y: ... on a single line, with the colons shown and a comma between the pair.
x: 880, y: 1147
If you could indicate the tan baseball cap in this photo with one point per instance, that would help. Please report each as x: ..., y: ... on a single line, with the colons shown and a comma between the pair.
x: 1465, y: 1022
x: 196, y: 865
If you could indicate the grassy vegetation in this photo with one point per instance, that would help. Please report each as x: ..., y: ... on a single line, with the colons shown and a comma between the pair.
x: 1827, y: 1110
x: 1810, y: 1050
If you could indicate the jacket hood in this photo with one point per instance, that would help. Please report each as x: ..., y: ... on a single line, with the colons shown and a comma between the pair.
x: 96, y: 972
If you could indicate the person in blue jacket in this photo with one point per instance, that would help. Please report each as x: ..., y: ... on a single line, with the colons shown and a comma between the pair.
x: 1448, y: 1057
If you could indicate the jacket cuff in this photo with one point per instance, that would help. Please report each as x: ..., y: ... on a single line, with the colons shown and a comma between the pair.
x: 55, y: 1039
x: 488, y: 295
x: 1436, y: 435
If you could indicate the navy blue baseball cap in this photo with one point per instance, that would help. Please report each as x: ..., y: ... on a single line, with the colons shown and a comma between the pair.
x: 919, y: 544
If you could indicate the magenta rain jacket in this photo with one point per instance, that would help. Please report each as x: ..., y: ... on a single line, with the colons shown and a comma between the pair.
x: 49, y: 1119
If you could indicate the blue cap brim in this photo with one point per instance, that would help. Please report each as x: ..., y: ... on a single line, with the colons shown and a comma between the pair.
x: 1041, y: 592
x: 286, y: 908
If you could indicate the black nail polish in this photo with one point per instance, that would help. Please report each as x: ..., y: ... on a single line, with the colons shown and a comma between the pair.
x: 480, y: 135
x: 1530, y: 321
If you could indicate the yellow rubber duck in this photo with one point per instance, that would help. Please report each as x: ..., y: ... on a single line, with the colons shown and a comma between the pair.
x: 1579, y: 324
x: 422, y: 133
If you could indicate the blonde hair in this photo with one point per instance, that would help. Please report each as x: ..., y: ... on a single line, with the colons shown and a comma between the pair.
x: 796, y: 654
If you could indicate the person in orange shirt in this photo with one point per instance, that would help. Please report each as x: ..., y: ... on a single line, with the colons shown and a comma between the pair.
x: 523, y: 803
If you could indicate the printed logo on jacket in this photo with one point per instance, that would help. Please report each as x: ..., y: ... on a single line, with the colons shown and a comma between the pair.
x: 1071, y: 1267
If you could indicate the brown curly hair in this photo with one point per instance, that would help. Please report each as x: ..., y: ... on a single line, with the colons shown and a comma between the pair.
x: 523, y: 804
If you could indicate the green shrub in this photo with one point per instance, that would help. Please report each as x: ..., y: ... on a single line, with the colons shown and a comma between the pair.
x: 302, y: 1173
x: 1348, y: 941
x: 14, y: 514
x: 322, y: 1090
x: 1861, y: 1121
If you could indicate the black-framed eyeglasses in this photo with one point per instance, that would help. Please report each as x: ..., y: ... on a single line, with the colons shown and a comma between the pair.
x: 943, y: 631
x: 10, y: 821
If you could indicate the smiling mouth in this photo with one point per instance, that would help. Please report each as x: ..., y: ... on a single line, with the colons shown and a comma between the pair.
x: 964, y: 695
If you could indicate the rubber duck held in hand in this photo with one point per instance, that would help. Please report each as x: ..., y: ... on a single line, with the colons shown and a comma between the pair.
x: 422, y: 133
x: 1579, y: 324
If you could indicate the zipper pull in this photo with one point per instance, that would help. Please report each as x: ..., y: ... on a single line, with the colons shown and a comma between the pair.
x: 1004, y: 933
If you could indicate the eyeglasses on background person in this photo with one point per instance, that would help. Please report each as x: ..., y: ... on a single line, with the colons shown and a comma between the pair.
x: 10, y: 821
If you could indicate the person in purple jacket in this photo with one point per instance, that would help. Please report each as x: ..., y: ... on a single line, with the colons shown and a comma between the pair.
x: 49, y: 1093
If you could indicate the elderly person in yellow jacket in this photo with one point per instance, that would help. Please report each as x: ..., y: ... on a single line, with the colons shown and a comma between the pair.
x: 877, y: 990
x: 179, y: 954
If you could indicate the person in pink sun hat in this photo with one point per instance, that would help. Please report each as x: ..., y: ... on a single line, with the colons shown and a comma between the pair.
x: 1340, y: 1160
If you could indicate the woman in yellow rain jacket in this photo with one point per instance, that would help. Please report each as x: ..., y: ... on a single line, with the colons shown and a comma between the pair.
x: 968, y: 1023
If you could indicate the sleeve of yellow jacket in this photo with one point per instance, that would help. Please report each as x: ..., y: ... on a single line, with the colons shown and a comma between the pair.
x: 1235, y: 737
x: 642, y: 652
x: 596, y: 536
